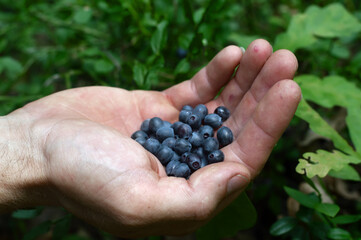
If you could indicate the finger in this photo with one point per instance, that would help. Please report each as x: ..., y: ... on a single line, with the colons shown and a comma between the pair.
x: 250, y: 65
x: 281, y: 65
x: 271, y: 117
x: 204, y: 86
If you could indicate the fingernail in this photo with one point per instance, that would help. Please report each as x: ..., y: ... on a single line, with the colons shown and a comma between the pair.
x: 243, y: 50
x: 236, y: 183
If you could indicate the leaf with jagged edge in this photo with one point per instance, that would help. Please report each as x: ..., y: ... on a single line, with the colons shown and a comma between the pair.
x: 322, y: 162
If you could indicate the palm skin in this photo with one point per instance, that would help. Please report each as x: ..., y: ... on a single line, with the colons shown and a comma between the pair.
x: 94, y: 169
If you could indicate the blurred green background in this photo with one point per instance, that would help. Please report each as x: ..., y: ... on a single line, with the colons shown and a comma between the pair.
x: 49, y: 46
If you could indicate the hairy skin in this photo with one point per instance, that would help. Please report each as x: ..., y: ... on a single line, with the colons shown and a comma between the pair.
x: 73, y: 148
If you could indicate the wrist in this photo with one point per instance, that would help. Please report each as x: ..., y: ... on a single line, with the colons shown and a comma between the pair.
x: 23, y: 181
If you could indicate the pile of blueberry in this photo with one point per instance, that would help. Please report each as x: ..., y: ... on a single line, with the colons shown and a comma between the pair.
x: 188, y: 144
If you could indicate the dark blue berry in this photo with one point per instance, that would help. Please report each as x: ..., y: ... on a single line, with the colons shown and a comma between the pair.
x: 176, y: 125
x: 200, y: 152
x: 175, y: 157
x: 204, y: 162
x: 193, y: 161
x: 145, y: 125
x: 224, y: 136
x: 213, y: 120
x: 166, y: 124
x: 182, y: 170
x: 201, y: 110
x: 152, y: 145
x: 141, y: 140
x: 223, y: 112
x: 184, y: 131
x: 184, y: 156
x: 154, y: 124
x: 194, y: 120
x: 210, y: 144
x: 181, y: 52
x: 183, y: 115
x: 206, y: 131
x: 164, y: 154
x: 215, y: 156
x: 196, y: 139
x: 181, y: 146
x: 170, y: 142
x: 164, y: 132
x: 187, y: 107
x: 139, y: 133
x: 171, y: 166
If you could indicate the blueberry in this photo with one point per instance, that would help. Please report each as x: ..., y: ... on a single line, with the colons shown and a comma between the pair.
x: 145, y: 125
x: 204, y: 162
x: 171, y: 166
x: 196, y: 139
x: 176, y: 125
x: 210, y: 144
x: 224, y: 136
x: 181, y: 146
x: 175, y: 157
x: 139, y: 133
x: 170, y: 142
x: 201, y: 110
x: 141, y: 140
x: 184, y: 156
x: 181, y: 52
x: 187, y: 107
x: 194, y: 161
x: 213, y: 120
x: 164, y: 154
x: 206, y: 131
x: 184, y: 131
x: 223, y: 112
x: 166, y: 124
x: 194, y: 121
x: 215, y: 156
x: 182, y: 170
x: 200, y: 152
x: 152, y: 145
x: 164, y: 132
x: 183, y: 115
x: 154, y: 124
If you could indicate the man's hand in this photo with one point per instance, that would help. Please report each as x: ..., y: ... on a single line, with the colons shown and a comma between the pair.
x: 85, y: 160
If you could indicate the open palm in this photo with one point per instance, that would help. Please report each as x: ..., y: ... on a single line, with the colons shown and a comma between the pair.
x: 100, y: 174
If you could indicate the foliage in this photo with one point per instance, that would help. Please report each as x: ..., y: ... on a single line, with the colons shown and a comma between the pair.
x: 48, y: 46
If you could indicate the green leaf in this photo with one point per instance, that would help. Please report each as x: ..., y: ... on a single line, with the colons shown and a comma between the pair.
x: 307, y: 200
x: 321, y: 127
x: 346, y: 173
x: 346, y: 219
x: 158, y: 38
x: 332, y: 21
x: 26, y: 213
x: 61, y: 228
x: 328, y: 209
x: 353, y: 121
x: 182, y: 67
x: 12, y: 67
x: 283, y: 225
x: 239, y: 215
x: 139, y: 73
x: 37, y: 231
x: 338, y: 234
x: 83, y: 15
x: 242, y: 40
x: 103, y: 66
x: 330, y: 91
x: 296, y: 36
x: 322, y: 162
x: 188, y: 10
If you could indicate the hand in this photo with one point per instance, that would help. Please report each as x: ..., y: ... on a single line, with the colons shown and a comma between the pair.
x: 85, y: 160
